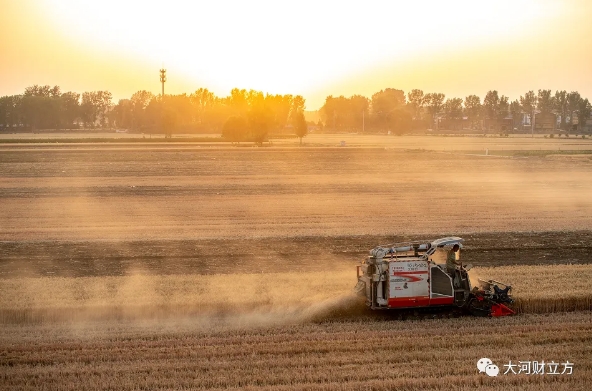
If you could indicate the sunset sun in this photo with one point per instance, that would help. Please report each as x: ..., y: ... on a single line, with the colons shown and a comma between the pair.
x: 266, y: 46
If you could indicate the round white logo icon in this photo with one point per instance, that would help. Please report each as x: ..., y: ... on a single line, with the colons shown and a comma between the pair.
x: 483, y: 363
x: 491, y: 370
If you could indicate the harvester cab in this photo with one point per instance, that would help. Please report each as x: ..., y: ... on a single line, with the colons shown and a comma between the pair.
x: 410, y: 275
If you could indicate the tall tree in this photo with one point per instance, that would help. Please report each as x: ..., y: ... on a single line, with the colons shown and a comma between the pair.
x: 490, y: 104
x: 104, y: 99
x: 203, y: 101
x: 453, y: 108
x: 95, y: 107
x: 5, y: 107
x: 385, y: 102
x: 298, y: 104
x: 10, y: 110
x: 584, y: 110
x: 545, y: 102
x: 502, y: 108
x: 42, y: 91
x: 434, y: 102
x: 516, y: 113
x: 300, y: 125
x: 416, y: 103
x: 336, y: 113
x: 69, y: 108
x: 400, y: 121
x: 573, y: 105
x: 260, y: 118
x: 139, y: 101
x: 473, y: 109
x: 281, y: 107
x: 359, y: 111
x: 123, y: 114
x: 529, y: 102
x: 238, y: 102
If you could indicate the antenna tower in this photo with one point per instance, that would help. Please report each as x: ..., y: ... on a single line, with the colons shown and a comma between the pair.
x: 163, y: 79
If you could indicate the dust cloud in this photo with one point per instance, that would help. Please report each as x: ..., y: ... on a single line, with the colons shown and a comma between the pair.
x: 143, y: 195
x: 204, y: 301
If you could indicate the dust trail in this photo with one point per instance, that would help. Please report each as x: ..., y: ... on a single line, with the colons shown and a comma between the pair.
x: 474, y: 277
x: 233, y: 300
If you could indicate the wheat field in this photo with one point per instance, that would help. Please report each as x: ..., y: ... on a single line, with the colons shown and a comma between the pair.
x: 168, y: 267
x: 336, y: 355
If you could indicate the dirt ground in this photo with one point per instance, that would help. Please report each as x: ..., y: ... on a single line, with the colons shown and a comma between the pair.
x: 102, y: 210
x: 269, y: 255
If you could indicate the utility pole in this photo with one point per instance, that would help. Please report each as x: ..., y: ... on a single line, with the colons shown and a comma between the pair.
x: 163, y: 79
x: 363, y: 121
x: 533, y: 122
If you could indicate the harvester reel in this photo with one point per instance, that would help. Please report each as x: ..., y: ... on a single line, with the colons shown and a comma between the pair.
x: 501, y: 295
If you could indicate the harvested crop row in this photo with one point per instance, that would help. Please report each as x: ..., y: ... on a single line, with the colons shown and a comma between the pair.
x: 346, y: 355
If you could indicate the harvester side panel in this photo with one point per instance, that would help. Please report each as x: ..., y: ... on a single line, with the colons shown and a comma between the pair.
x: 408, y: 283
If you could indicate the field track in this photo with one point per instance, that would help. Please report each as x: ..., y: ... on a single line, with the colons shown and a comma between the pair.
x: 190, y: 267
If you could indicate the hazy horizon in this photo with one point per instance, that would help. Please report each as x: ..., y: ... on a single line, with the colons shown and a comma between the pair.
x: 457, y: 48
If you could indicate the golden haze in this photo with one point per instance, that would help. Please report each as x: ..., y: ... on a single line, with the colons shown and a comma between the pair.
x: 457, y: 48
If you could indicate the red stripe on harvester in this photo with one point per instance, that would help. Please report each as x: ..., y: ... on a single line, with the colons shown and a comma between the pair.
x: 397, y: 273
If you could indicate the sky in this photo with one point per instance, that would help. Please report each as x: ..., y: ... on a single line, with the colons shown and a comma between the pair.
x: 312, y: 48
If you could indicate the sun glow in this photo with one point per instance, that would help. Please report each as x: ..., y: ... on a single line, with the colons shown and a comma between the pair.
x: 269, y: 46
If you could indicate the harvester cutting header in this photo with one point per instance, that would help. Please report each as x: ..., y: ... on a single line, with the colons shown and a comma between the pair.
x: 406, y: 276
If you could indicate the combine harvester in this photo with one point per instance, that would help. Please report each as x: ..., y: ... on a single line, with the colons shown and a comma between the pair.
x: 405, y: 276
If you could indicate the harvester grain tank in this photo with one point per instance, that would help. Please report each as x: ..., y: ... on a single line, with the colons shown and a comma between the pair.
x: 406, y: 276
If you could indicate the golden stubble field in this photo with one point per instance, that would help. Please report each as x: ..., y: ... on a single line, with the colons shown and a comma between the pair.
x: 142, y: 192
x: 192, y: 267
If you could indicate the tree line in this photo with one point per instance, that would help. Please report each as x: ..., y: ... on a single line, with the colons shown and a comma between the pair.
x: 251, y: 115
x: 393, y: 110
x: 242, y: 115
x: 45, y: 107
